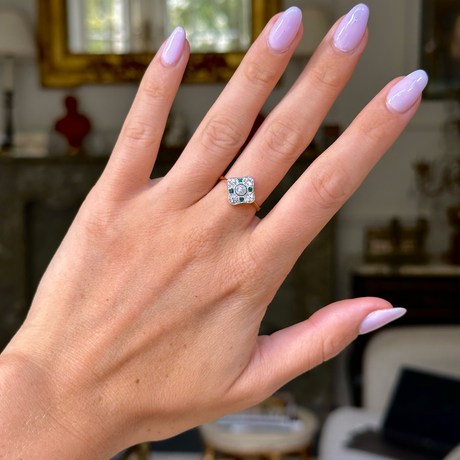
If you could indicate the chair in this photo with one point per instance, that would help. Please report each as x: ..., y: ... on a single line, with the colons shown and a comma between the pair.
x: 426, y: 348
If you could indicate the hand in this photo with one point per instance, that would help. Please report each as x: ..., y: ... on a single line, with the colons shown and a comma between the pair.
x: 146, y: 321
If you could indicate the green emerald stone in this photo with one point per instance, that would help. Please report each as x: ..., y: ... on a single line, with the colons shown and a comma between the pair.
x: 231, y: 190
x: 241, y: 199
x: 240, y: 180
x: 250, y: 189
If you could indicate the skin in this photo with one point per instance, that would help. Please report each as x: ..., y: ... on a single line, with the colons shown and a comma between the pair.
x: 146, y: 322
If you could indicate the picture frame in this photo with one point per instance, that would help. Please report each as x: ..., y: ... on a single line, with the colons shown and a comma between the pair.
x: 60, y: 68
x: 440, y: 48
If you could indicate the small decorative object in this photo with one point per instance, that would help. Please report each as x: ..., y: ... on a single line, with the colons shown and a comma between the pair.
x: 441, y: 47
x: 16, y: 42
x: 74, y: 126
x: 33, y: 144
x: 277, y: 413
x: 396, y: 244
x: 441, y: 177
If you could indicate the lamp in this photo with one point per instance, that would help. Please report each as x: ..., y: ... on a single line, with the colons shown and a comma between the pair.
x: 16, y: 42
x: 316, y: 24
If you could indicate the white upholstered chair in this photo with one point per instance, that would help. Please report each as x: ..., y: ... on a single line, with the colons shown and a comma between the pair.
x: 426, y: 348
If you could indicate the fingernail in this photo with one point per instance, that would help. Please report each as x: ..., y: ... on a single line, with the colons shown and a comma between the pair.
x: 351, y: 30
x: 172, y: 50
x: 285, y: 29
x: 405, y: 93
x: 379, y: 318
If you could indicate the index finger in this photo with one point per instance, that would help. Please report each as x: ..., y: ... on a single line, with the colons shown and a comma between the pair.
x: 134, y: 155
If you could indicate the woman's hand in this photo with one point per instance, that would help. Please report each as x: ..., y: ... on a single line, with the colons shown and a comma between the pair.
x: 146, y: 321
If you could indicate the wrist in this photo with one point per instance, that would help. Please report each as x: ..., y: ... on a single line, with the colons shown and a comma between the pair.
x: 36, y: 418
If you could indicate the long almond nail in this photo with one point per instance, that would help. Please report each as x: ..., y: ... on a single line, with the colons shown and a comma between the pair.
x: 405, y: 93
x: 352, y: 28
x: 173, y: 48
x: 285, y: 29
x: 379, y: 318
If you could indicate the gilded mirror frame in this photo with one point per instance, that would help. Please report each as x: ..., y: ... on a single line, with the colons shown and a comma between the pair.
x: 60, y: 68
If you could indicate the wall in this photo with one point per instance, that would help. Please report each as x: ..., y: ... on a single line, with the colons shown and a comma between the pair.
x: 37, y: 108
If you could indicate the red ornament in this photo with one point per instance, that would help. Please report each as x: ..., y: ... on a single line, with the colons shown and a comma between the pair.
x: 74, y: 126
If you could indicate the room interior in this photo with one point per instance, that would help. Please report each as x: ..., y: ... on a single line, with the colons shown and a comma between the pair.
x: 65, y: 99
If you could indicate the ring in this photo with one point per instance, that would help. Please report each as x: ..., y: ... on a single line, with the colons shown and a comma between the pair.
x: 241, y: 190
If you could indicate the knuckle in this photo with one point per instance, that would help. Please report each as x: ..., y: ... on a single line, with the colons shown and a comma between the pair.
x: 154, y: 89
x: 251, y: 260
x: 259, y: 76
x: 372, y: 134
x: 325, y: 77
x: 99, y: 222
x: 282, y: 141
x: 139, y: 134
x: 330, y: 186
x: 332, y: 344
x: 222, y: 136
x: 326, y: 345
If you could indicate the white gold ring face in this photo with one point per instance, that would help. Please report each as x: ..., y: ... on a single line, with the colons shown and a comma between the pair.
x: 240, y: 190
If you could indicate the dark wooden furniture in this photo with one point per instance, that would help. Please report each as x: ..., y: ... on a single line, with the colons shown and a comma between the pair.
x: 431, y: 294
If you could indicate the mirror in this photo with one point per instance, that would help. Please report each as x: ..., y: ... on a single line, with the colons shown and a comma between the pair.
x: 140, y: 26
x: 103, y: 41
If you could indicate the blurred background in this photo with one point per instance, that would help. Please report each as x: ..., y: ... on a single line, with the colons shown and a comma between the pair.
x: 69, y: 71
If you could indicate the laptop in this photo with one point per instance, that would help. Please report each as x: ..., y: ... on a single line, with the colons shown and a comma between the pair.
x: 422, y: 421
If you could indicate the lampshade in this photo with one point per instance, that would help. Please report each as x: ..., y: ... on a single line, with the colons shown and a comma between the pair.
x: 316, y: 24
x: 16, y: 37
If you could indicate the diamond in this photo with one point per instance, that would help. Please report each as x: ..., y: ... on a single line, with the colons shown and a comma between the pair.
x: 233, y: 199
x: 249, y: 198
x: 241, y: 190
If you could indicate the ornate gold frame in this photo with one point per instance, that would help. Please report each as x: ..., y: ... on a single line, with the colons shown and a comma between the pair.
x: 60, y: 68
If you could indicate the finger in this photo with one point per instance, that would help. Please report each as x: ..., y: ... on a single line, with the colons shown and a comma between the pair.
x: 286, y: 354
x: 333, y: 177
x: 136, y: 150
x: 229, y: 121
x: 290, y: 128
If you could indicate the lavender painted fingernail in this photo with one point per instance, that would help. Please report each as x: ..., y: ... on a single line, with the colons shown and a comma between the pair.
x: 172, y: 50
x: 379, y: 318
x: 405, y: 93
x: 285, y: 29
x: 351, y: 30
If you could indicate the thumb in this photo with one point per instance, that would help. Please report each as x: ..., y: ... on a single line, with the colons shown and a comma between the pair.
x: 284, y: 355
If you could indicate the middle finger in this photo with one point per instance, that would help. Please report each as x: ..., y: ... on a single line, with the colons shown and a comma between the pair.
x: 290, y: 128
x: 229, y: 121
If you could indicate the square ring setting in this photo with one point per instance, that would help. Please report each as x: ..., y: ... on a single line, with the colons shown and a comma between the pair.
x: 241, y: 190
